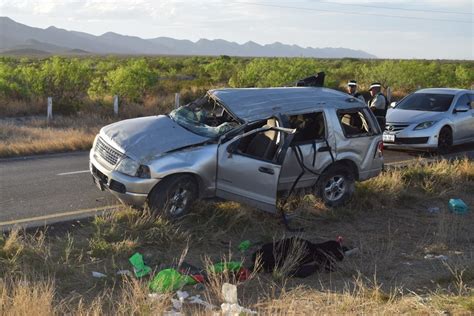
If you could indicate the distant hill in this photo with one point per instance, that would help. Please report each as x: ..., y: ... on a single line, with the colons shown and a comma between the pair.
x: 17, y: 37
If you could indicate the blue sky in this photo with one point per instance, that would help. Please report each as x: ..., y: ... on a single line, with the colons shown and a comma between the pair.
x: 391, y: 29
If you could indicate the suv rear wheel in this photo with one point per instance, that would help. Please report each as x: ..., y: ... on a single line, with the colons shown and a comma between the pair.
x: 336, y: 185
x: 173, y: 196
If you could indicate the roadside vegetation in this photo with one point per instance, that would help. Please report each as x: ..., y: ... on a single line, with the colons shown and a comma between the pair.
x: 49, y: 270
x: 88, y: 84
x: 83, y: 89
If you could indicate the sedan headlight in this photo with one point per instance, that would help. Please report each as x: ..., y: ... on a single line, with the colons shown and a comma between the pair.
x: 424, y: 125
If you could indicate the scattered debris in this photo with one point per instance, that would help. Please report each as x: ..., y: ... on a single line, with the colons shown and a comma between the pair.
x: 244, y: 245
x: 440, y: 257
x: 124, y: 272
x: 98, y: 275
x: 313, y: 256
x: 182, y: 295
x: 177, y: 304
x: 351, y: 252
x: 226, y: 266
x: 139, y: 267
x: 230, y: 307
x: 235, y: 310
x: 458, y: 206
x: 168, y: 280
x: 196, y: 299
x: 156, y: 296
x: 229, y: 293
x: 433, y: 209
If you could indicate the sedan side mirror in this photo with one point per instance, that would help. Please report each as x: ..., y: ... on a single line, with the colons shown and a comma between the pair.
x: 392, y: 105
x: 461, y: 108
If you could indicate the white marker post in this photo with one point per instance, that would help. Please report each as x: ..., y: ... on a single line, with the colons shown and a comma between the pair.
x: 176, y: 100
x: 389, y: 94
x: 116, y: 103
x: 49, y: 113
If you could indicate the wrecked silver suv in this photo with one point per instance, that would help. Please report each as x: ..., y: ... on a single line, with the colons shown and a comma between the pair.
x: 247, y: 145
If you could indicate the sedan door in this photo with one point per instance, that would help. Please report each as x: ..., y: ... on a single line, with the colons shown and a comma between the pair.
x: 463, y: 121
x: 249, y: 166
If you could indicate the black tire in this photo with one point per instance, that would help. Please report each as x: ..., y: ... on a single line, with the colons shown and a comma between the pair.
x: 173, y: 196
x: 336, y: 185
x: 445, y: 140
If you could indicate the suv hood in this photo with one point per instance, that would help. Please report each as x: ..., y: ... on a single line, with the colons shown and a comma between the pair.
x: 147, y: 137
x: 410, y: 116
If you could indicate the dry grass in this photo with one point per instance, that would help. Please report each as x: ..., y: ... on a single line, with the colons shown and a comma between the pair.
x: 19, y: 137
x: 389, y: 275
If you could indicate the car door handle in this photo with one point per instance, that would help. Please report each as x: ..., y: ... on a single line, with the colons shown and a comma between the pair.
x: 266, y: 170
x: 325, y: 148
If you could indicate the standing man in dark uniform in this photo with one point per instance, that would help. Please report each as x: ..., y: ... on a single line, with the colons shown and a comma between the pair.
x: 352, y: 90
x: 377, y: 102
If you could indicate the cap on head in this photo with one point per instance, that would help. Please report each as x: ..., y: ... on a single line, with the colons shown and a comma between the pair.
x: 375, y: 85
x: 352, y: 83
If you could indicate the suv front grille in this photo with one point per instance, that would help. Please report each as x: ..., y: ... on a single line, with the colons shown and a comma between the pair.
x: 395, y: 127
x: 107, y: 152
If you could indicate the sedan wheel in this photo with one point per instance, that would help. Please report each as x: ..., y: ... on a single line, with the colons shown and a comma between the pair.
x: 445, y: 140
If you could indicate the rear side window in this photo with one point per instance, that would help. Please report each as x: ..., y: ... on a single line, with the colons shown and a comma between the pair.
x: 309, y: 127
x: 354, y: 123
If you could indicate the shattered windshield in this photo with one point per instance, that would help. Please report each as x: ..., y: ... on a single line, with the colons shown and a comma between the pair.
x: 204, y: 117
x: 426, y: 102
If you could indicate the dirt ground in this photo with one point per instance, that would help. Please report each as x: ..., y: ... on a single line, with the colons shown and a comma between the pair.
x: 398, y: 243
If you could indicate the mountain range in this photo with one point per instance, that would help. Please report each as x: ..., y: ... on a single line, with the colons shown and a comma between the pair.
x: 21, y: 39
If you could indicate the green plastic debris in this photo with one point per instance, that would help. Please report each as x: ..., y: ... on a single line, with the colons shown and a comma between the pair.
x: 226, y: 266
x: 139, y: 266
x: 168, y: 280
x: 244, y: 245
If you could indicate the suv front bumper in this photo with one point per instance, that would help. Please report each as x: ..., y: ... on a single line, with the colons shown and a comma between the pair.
x: 129, y: 190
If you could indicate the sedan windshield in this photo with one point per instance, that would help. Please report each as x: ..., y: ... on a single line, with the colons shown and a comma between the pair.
x: 204, y: 117
x: 426, y: 102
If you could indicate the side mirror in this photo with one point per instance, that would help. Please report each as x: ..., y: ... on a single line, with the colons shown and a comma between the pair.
x: 392, y: 105
x: 461, y: 108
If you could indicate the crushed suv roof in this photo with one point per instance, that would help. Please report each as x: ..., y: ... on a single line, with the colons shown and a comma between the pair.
x: 256, y: 103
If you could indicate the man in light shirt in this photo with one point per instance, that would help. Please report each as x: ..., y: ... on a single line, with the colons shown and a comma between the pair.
x: 377, y: 102
x: 352, y: 90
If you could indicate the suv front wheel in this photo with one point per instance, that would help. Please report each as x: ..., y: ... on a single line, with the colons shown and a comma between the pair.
x: 173, y: 196
x: 336, y: 185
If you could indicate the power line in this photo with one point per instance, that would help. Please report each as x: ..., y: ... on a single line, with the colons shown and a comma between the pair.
x: 392, y: 8
x: 347, y: 12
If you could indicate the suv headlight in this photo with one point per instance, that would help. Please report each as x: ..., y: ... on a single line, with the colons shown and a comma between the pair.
x: 424, y: 125
x: 128, y: 166
x: 132, y: 168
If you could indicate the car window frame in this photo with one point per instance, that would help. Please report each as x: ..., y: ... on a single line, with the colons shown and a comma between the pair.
x: 275, y: 160
x: 316, y: 140
x: 365, y: 112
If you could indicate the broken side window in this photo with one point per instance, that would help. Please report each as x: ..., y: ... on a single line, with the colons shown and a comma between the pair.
x: 354, y: 123
x: 309, y: 127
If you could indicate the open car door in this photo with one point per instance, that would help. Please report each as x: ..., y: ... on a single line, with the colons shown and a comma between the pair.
x: 249, y: 166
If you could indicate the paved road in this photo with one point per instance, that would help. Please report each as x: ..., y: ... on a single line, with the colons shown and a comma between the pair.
x: 55, y: 187
x: 50, y: 184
